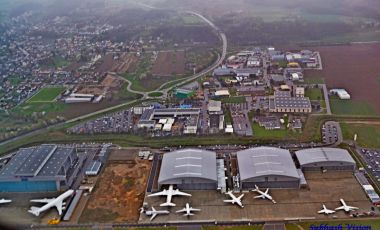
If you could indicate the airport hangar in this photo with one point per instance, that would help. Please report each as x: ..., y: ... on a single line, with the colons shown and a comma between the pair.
x: 192, y: 169
x: 40, y: 169
x: 268, y: 167
x: 325, y: 159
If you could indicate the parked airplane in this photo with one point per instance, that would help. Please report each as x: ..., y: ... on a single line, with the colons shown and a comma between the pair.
x: 234, y: 199
x: 345, y: 207
x: 169, y: 194
x: 188, y: 210
x: 4, y: 201
x: 263, y: 195
x: 53, y: 202
x: 326, y: 211
x: 155, y: 212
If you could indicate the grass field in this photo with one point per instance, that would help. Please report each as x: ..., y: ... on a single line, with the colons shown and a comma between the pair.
x: 261, y: 132
x: 315, y: 94
x: 46, y: 94
x: 155, y: 94
x: 349, y: 107
x: 235, y: 100
x: 368, y: 135
x: 314, y: 80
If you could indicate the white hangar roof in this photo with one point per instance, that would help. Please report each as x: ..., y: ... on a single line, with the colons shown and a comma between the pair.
x: 318, y: 155
x: 188, y: 163
x: 265, y: 161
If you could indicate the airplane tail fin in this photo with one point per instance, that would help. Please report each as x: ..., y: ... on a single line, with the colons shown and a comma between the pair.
x: 35, y: 211
x: 188, y: 214
x: 167, y: 204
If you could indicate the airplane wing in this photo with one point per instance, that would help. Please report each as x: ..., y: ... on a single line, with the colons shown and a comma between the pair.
x: 59, y: 207
x: 153, y: 209
x: 241, y: 196
x: 179, y: 193
x: 259, y: 196
x: 5, y: 201
x: 351, y: 207
x: 322, y: 211
x: 181, y: 210
x: 194, y: 210
x: 46, y: 200
x: 228, y: 201
x: 266, y: 191
x: 153, y: 216
x: 162, y: 193
x: 340, y: 208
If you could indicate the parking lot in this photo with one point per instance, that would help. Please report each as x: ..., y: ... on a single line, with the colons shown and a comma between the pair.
x: 119, y: 122
x: 331, y: 133
x: 325, y: 189
x: 372, y: 158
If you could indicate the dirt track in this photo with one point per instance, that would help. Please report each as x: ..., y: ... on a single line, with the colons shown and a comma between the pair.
x: 353, y: 67
x: 119, y: 193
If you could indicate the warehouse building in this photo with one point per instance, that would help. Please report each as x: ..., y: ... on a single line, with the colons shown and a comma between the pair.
x: 325, y: 159
x: 189, y: 169
x: 39, y: 169
x: 267, y: 167
x: 289, y: 105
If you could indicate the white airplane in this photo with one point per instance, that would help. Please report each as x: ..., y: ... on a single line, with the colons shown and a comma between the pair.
x: 326, y: 211
x: 234, y: 199
x: 155, y: 212
x: 4, y: 201
x: 345, y: 207
x: 169, y: 194
x: 188, y: 210
x: 263, y: 195
x: 53, y: 202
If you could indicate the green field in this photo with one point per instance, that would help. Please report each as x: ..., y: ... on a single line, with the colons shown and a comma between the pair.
x: 368, y: 135
x: 349, y: 107
x: 191, y: 20
x: 315, y: 94
x: 46, y: 94
x: 155, y: 94
x: 314, y: 80
x: 234, y: 100
x: 261, y: 132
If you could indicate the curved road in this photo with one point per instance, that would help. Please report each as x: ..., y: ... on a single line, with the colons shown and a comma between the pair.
x: 144, y: 94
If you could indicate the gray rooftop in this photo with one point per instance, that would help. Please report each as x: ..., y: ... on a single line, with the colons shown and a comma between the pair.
x: 292, y: 102
x: 188, y: 163
x: 265, y: 161
x: 309, y: 156
x: 43, y: 160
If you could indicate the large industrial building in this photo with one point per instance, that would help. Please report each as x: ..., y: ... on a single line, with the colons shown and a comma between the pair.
x: 41, y: 168
x: 325, y: 159
x: 267, y: 167
x: 189, y: 169
x: 290, y: 105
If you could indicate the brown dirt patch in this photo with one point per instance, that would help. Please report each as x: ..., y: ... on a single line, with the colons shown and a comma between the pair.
x: 169, y: 63
x: 111, y: 82
x: 126, y: 63
x: 119, y: 193
x: 353, y: 67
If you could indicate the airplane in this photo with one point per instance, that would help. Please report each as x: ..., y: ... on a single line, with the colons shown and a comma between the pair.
x: 4, y: 201
x: 263, y: 195
x: 53, y: 202
x: 169, y: 194
x: 326, y: 211
x: 345, y: 207
x: 234, y: 199
x: 188, y: 210
x: 155, y: 212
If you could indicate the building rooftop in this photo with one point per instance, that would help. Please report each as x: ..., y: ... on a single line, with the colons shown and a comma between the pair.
x: 265, y: 161
x: 315, y: 155
x: 292, y: 102
x: 188, y: 163
x: 43, y: 160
